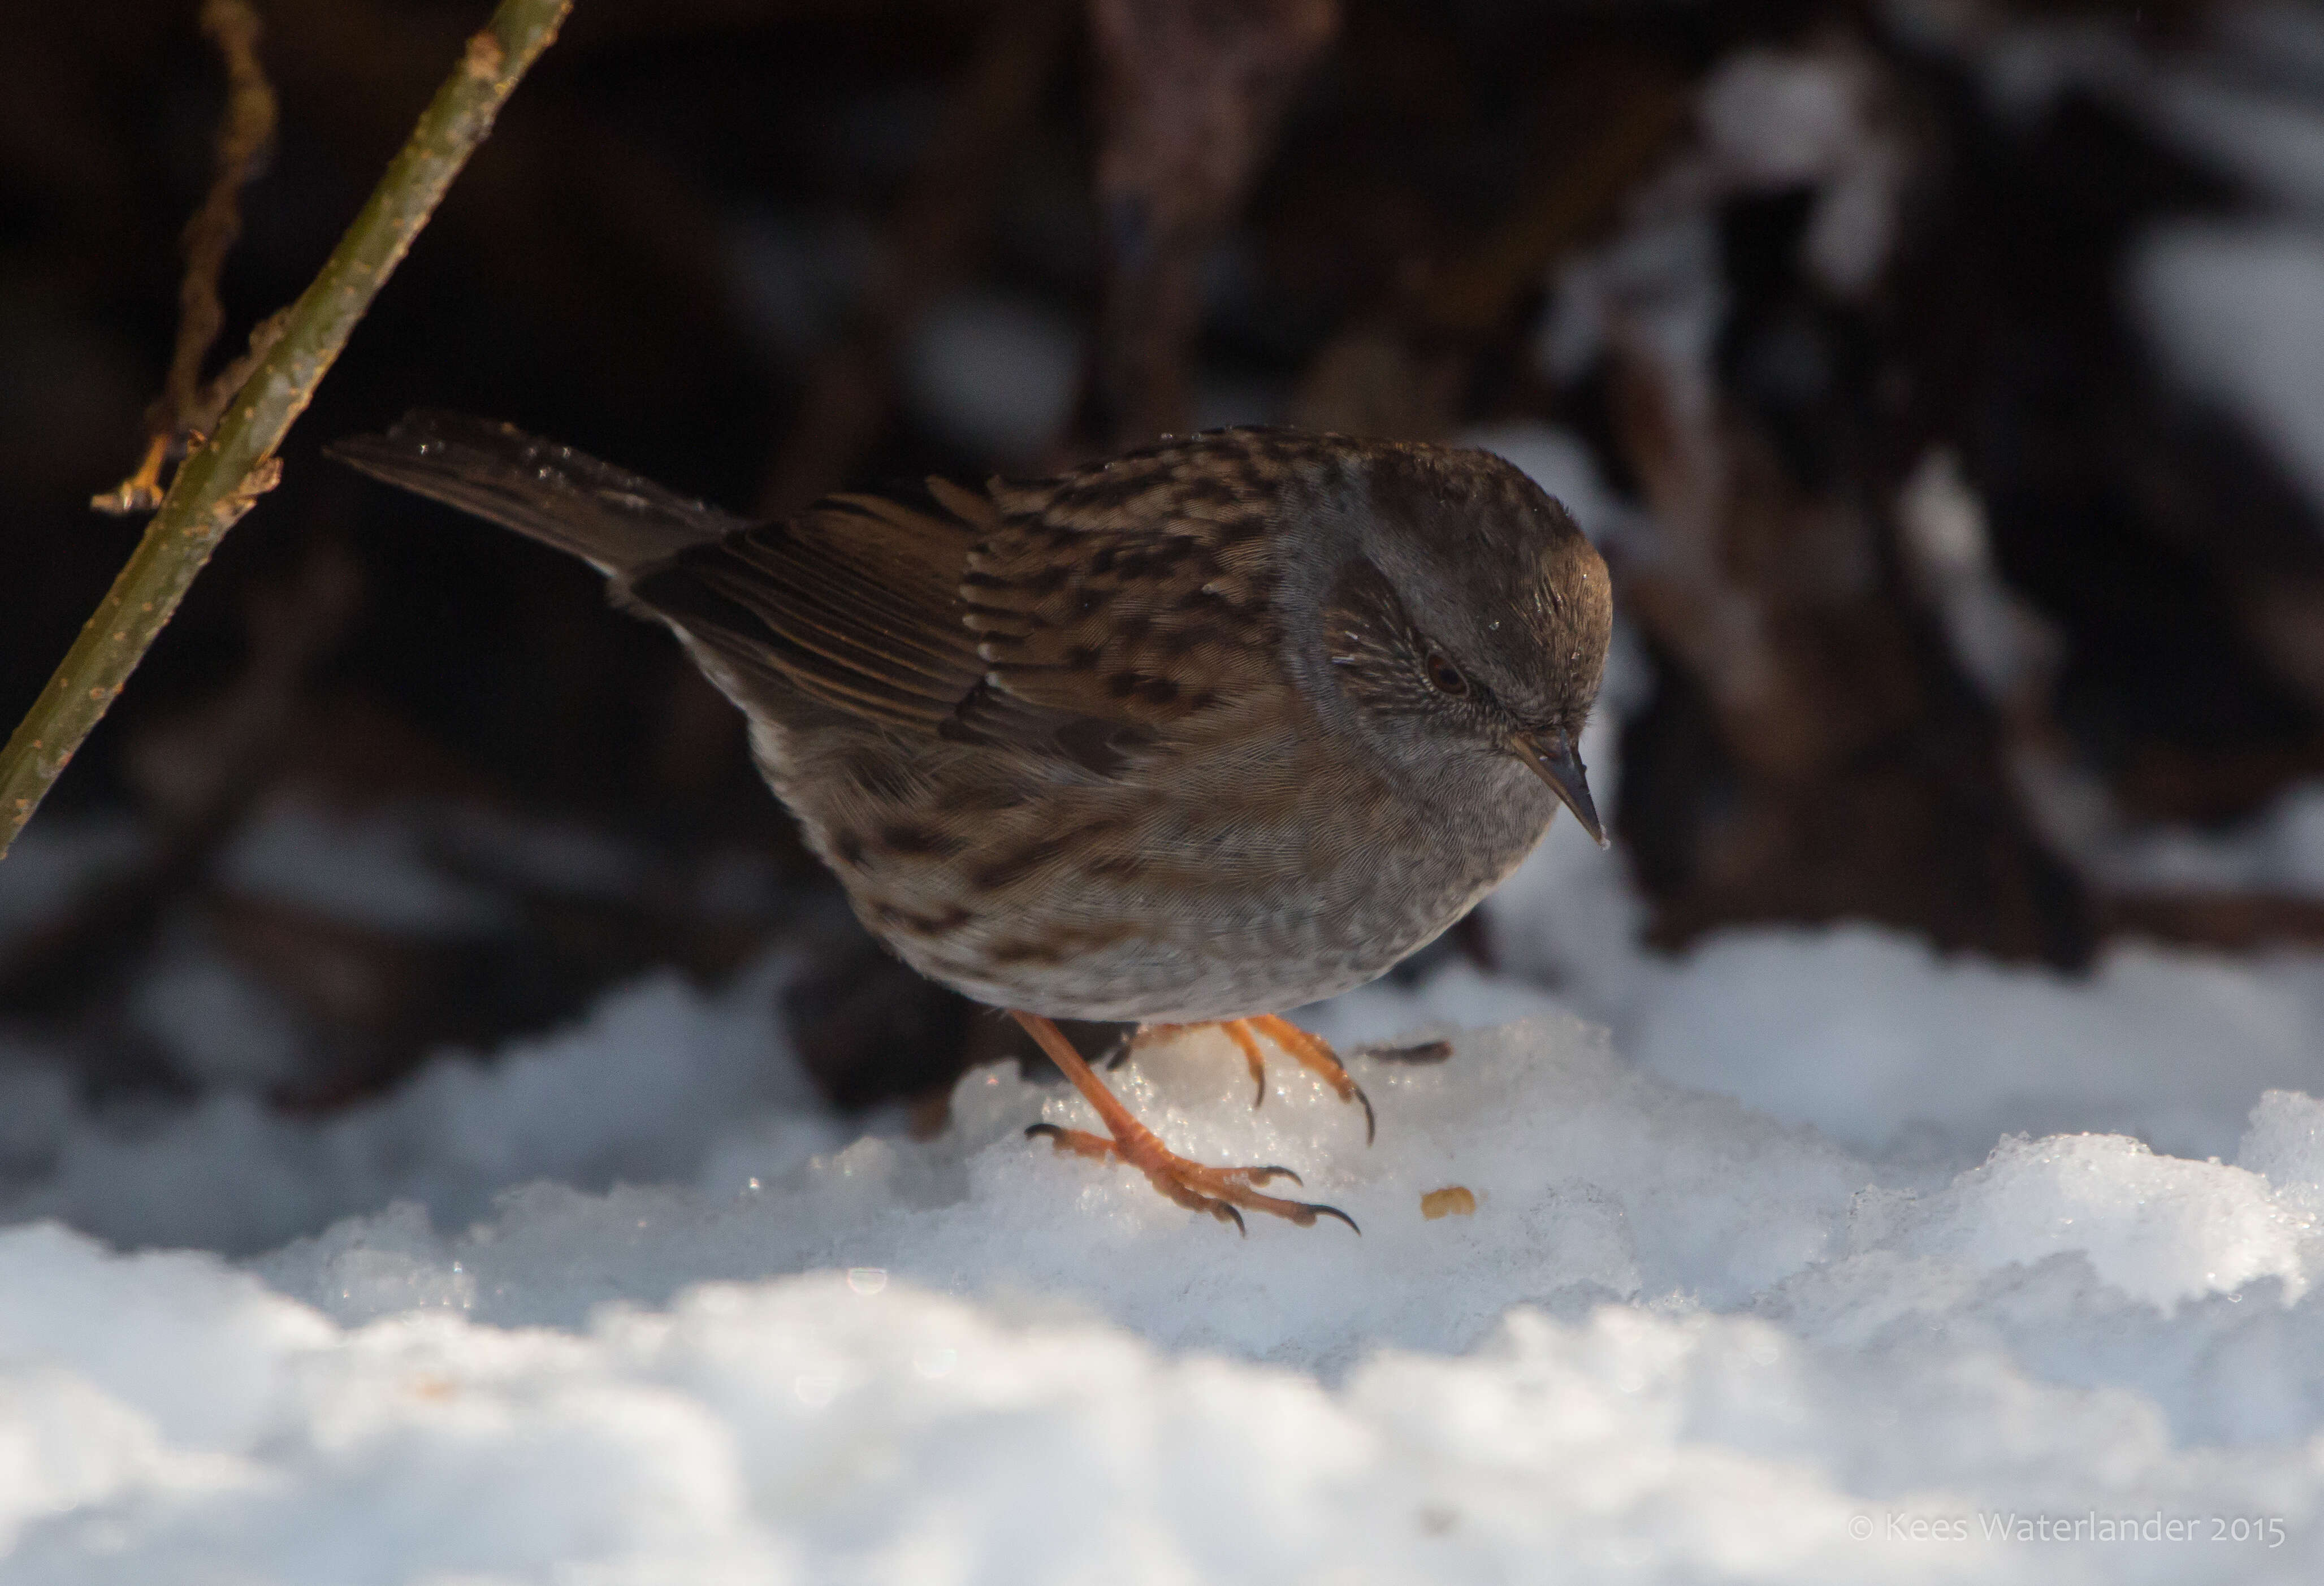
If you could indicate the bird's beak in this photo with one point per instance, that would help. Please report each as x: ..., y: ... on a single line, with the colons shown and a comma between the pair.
x: 1556, y: 761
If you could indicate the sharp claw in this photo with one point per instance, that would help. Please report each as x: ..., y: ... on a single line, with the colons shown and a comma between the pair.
x: 1258, y: 1093
x: 1371, y: 1124
x: 1190, y: 1185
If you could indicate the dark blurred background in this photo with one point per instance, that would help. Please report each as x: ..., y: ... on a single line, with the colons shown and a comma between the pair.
x: 1936, y: 367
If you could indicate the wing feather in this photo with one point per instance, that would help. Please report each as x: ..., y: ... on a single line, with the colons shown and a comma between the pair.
x: 1087, y: 619
x: 855, y: 604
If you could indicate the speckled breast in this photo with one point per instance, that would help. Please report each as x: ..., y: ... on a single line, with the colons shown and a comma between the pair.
x: 1184, y: 912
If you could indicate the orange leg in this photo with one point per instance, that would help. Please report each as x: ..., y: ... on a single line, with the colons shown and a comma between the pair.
x: 1239, y: 1031
x: 1310, y: 1051
x: 1313, y: 1052
x: 1198, y: 1188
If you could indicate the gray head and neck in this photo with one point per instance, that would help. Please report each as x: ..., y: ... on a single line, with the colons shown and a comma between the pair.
x: 1460, y: 632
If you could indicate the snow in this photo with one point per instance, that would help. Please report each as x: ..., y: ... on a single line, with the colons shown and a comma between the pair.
x: 993, y: 373
x: 579, y: 1106
x: 46, y: 868
x: 2000, y: 640
x: 1658, y: 282
x: 369, y: 868
x: 1773, y: 120
x: 2278, y: 39
x: 1808, y: 1254
x: 1678, y: 1338
x: 2237, y: 310
x: 2280, y: 850
x: 2272, y: 142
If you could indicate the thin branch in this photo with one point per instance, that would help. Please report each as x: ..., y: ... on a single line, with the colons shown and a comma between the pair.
x: 221, y: 477
x: 242, y: 141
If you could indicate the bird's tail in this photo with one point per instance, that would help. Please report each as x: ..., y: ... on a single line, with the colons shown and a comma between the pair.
x: 613, y: 519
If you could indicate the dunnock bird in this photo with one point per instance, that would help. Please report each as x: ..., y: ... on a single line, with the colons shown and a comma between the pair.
x: 1218, y: 728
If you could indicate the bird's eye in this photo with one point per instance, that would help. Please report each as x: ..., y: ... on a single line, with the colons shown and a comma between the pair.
x: 1445, y: 676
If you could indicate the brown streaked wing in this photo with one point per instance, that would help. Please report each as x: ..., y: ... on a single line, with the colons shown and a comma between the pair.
x: 1088, y: 617
x: 1136, y: 593
x: 855, y: 602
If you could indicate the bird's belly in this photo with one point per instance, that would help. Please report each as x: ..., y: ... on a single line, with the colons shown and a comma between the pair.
x: 1256, y: 921
x: 1253, y: 966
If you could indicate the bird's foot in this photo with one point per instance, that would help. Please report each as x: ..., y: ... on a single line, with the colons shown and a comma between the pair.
x: 1310, y: 1051
x: 1195, y: 1185
x: 1225, y: 1193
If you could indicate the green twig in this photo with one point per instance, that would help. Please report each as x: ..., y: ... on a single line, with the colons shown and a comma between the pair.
x: 236, y: 465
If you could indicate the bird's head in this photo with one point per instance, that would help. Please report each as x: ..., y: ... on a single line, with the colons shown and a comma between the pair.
x: 1470, y: 616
